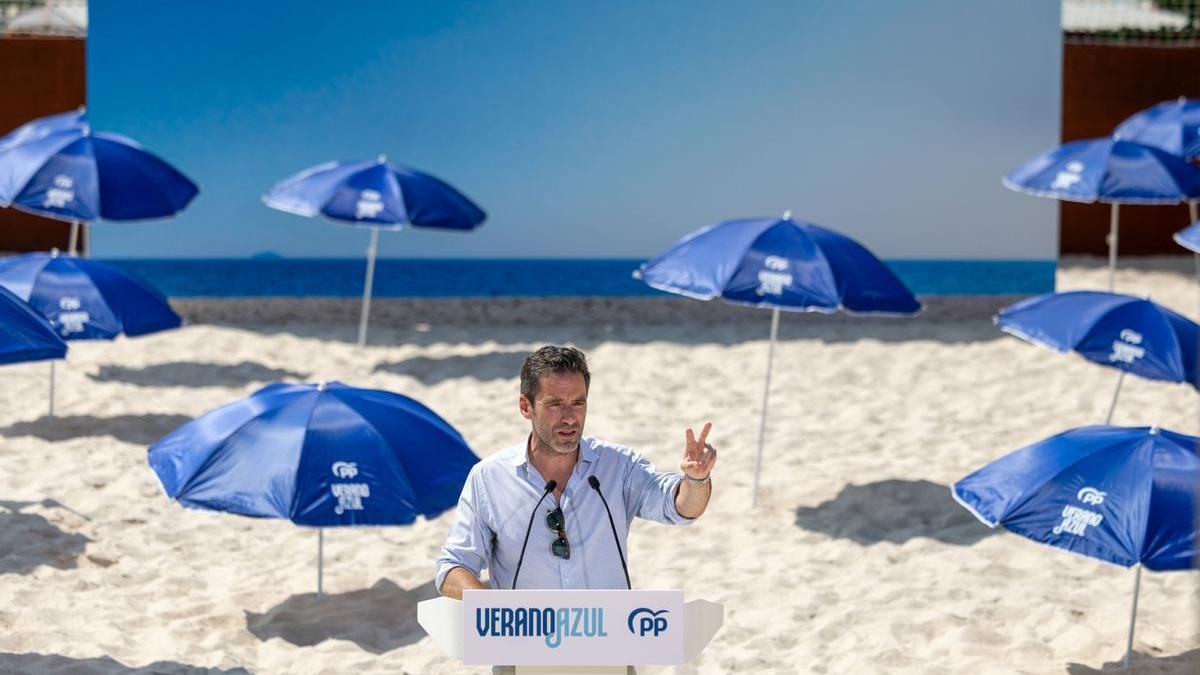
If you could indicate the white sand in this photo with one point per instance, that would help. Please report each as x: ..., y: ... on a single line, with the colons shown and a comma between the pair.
x: 857, y: 560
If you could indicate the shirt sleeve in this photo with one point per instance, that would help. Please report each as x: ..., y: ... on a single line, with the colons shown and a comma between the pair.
x: 469, y: 543
x: 650, y: 494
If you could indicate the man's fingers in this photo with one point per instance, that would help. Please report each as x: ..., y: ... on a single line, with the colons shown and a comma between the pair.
x: 692, y: 449
x: 704, y: 433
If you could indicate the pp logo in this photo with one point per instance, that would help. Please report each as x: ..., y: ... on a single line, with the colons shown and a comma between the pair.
x: 345, y: 469
x: 71, y: 317
x: 1065, y: 179
x: 1090, y: 495
x: 773, y: 279
x: 1131, y: 336
x: 776, y: 263
x: 369, y: 204
x: 1126, y: 349
x: 61, y: 194
x: 647, y: 621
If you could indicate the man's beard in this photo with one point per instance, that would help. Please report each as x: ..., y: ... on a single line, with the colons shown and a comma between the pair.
x: 550, y: 440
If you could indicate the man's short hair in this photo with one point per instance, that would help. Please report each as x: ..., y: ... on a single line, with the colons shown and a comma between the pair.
x: 552, y: 359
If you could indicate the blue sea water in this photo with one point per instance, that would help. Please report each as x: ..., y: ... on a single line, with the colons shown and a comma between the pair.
x: 425, y: 278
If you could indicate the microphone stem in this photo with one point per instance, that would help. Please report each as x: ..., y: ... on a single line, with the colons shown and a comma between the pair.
x: 616, y: 539
x: 529, y: 529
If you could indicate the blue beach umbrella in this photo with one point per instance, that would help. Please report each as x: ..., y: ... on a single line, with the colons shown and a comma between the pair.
x: 43, y: 126
x: 781, y: 264
x: 1189, y: 237
x: 1171, y: 126
x: 378, y: 195
x: 1124, y: 495
x: 1133, y: 335
x: 25, y: 335
x: 84, y: 299
x: 1108, y: 170
x: 324, y: 455
x: 59, y: 168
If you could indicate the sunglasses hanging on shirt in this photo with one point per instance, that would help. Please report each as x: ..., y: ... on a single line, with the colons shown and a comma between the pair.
x: 557, y: 522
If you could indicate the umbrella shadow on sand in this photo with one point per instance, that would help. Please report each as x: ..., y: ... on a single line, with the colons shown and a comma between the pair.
x: 894, y: 511
x: 377, y: 619
x: 29, y: 540
x: 103, y: 665
x: 1187, y: 663
x: 136, y: 429
x: 194, y: 374
x: 499, y: 365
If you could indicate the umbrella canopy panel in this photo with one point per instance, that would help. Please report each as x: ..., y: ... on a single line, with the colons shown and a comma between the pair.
x: 1171, y: 126
x: 319, y: 455
x: 25, y: 335
x: 87, y: 300
x: 1107, y: 170
x: 1124, y: 332
x: 782, y: 264
x: 1124, y: 495
x: 73, y: 174
x: 375, y: 194
x: 1189, y: 237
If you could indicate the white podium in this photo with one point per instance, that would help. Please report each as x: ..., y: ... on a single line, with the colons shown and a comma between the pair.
x: 571, y: 631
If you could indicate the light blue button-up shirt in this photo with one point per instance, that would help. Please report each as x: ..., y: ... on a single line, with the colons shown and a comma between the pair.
x: 500, y: 493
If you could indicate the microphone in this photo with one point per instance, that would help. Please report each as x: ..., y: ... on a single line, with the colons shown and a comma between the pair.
x: 550, y: 485
x: 595, y: 483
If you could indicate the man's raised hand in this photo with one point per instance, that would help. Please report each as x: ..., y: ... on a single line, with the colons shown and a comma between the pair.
x: 698, y: 456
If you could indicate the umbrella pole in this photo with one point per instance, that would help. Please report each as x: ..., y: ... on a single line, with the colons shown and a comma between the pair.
x: 320, y: 561
x: 1116, y: 392
x: 1112, y: 248
x: 1137, y: 586
x: 762, y: 423
x: 1192, y: 212
x: 366, y: 303
x: 51, y: 388
x: 73, y: 240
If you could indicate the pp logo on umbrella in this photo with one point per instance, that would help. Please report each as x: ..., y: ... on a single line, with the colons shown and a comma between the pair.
x: 349, y: 496
x: 1075, y: 520
x: 345, y: 469
x: 1126, y: 349
x: 71, y: 317
x: 61, y: 194
x: 369, y: 205
x: 774, y: 278
x: 1065, y: 179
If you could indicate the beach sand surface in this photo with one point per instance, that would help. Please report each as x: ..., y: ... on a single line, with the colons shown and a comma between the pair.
x: 856, y: 559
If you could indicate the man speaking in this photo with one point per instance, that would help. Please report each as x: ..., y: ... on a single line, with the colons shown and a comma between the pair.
x: 554, y: 510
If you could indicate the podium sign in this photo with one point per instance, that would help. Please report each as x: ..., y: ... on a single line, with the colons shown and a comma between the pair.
x: 557, y: 627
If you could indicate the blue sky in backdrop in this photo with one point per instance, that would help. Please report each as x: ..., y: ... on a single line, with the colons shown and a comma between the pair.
x: 591, y: 129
